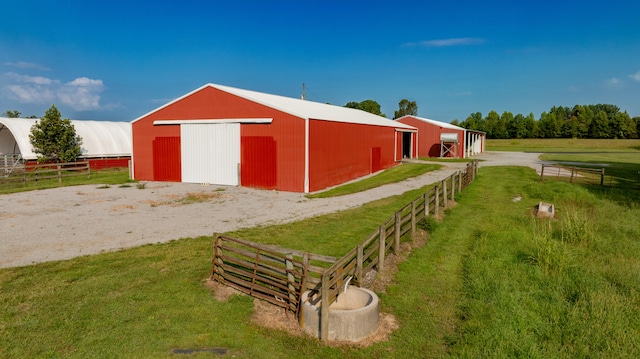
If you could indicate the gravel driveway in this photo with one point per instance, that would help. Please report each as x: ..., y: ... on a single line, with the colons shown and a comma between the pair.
x: 67, y: 222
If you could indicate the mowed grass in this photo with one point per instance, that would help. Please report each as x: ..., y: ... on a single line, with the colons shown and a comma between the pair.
x: 391, y: 175
x: 622, y: 170
x: 563, y: 145
x: 113, y: 176
x: 492, y: 281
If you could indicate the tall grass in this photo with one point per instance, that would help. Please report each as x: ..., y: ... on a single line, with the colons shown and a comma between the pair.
x: 491, y: 281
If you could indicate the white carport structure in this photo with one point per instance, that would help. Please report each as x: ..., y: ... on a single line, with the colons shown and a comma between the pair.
x: 100, y: 139
x: 475, y: 142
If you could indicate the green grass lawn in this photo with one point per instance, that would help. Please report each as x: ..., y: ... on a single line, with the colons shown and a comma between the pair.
x: 563, y: 145
x: 622, y: 170
x: 112, y: 176
x: 492, y: 281
x: 391, y: 175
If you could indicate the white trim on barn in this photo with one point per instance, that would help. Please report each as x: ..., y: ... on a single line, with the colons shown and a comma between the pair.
x: 213, y: 121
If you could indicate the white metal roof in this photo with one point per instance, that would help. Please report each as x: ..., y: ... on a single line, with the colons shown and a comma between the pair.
x: 435, y: 123
x: 301, y: 108
x: 99, y: 138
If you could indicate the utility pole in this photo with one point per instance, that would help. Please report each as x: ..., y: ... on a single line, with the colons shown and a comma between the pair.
x: 304, y: 92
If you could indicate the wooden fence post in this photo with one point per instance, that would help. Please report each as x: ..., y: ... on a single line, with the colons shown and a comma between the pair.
x: 426, y: 204
x: 291, y: 279
x: 542, y: 172
x: 396, y: 235
x: 324, y: 308
x: 459, y: 181
x: 436, y: 206
x: 381, y: 242
x: 453, y: 187
x: 602, y: 177
x: 88, y: 171
x: 59, y: 174
x: 444, y: 193
x: 413, y: 220
x: 359, y: 264
x: 573, y: 170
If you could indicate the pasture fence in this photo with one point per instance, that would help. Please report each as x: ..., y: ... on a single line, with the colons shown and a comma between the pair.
x: 573, y: 174
x: 38, y: 172
x: 280, y: 275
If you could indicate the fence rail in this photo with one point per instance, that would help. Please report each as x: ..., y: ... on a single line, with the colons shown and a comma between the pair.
x: 37, y: 172
x: 280, y: 276
x: 574, y: 174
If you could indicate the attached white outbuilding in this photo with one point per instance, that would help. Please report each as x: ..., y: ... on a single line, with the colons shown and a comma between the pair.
x: 100, y: 139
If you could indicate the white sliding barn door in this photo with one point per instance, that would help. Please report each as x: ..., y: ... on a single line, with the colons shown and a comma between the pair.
x: 210, y: 153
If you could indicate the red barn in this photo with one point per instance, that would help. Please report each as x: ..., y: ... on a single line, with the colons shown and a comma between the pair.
x: 440, y: 139
x: 223, y: 135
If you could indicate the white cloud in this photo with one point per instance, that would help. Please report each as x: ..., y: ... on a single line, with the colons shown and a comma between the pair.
x: 81, y: 94
x: 614, y: 81
x: 27, y: 65
x: 31, y: 94
x: 458, y: 41
x: 36, y: 80
x: 635, y: 76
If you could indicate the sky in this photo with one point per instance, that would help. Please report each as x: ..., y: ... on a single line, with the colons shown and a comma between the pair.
x: 118, y: 60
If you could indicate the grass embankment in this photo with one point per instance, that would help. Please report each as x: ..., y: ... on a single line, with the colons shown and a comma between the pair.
x: 391, y: 175
x: 114, y: 176
x: 492, y: 281
x: 563, y: 145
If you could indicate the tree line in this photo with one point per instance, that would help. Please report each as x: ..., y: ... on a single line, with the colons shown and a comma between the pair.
x: 581, y: 121
x: 405, y: 107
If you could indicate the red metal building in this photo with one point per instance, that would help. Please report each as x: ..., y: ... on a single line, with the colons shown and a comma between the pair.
x: 223, y: 135
x: 440, y: 139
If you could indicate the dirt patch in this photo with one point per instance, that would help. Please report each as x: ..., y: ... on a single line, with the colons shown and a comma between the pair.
x: 175, y: 200
x: 121, y: 207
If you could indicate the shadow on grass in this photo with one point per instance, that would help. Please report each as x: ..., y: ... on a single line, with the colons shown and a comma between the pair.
x: 621, y: 183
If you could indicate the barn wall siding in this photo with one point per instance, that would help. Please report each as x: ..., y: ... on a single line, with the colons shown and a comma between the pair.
x: 339, y: 152
x: 429, y: 138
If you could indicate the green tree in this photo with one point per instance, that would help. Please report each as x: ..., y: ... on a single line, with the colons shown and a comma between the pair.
x: 474, y: 122
x: 370, y: 106
x: 549, y: 126
x: 622, y: 126
x: 506, y: 125
x: 406, y: 108
x: 600, y: 125
x: 55, y: 139
x: 582, y: 117
x: 11, y: 114
x: 529, y: 126
x: 494, y: 127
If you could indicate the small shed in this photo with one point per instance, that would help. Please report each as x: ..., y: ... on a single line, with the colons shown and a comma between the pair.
x: 104, y: 143
x: 228, y: 136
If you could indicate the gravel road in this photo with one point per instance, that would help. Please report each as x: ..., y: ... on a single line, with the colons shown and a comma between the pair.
x: 67, y: 222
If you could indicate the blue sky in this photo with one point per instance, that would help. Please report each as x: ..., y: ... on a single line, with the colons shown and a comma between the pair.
x: 117, y: 60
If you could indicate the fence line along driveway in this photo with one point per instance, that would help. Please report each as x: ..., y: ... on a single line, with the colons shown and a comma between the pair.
x: 67, y: 222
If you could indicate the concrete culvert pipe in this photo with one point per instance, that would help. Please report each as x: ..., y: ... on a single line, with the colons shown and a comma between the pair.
x: 355, y: 315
